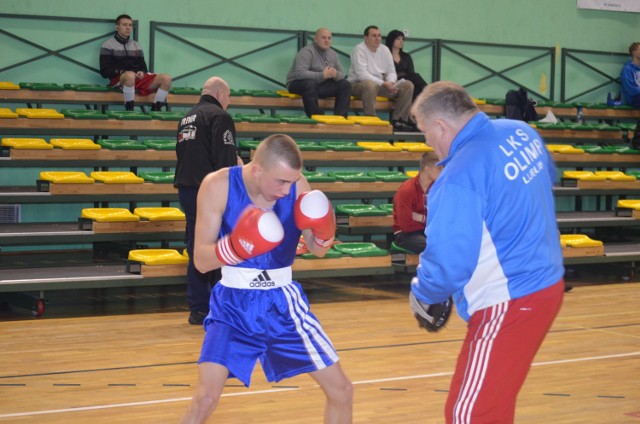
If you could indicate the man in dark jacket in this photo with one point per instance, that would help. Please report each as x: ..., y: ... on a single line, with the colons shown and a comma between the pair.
x: 206, y: 142
x: 122, y: 63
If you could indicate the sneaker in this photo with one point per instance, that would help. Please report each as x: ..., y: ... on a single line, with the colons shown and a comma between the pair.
x: 157, y: 106
x: 399, y: 126
x: 128, y: 105
x: 197, y: 317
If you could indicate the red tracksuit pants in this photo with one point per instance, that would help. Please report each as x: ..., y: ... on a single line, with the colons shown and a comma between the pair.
x: 496, y: 356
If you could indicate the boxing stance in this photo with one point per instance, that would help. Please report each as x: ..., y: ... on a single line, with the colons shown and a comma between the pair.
x: 249, y: 222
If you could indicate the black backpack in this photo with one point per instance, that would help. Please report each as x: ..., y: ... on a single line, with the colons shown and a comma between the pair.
x: 518, y: 106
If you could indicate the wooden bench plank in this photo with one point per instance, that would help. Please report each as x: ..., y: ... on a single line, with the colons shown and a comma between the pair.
x: 138, y: 227
x: 106, y: 189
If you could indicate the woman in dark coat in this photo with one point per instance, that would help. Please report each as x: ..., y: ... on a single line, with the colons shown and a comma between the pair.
x: 404, y: 62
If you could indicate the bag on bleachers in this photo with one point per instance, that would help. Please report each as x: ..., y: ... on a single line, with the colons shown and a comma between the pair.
x: 518, y: 106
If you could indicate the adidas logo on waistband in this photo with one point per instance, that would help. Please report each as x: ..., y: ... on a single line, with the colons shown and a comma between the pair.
x: 262, y: 280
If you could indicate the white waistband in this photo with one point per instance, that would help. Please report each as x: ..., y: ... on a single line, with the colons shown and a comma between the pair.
x: 256, y: 279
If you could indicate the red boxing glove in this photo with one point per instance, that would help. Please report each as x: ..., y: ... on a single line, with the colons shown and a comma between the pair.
x: 314, y: 211
x: 257, y: 232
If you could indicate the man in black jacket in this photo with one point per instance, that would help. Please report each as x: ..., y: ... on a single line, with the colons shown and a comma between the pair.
x: 206, y: 143
x: 122, y: 63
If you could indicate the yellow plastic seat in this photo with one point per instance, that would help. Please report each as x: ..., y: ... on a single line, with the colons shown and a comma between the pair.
x: 185, y: 253
x: 563, y: 148
x: 39, y: 113
x: 75, y: 144
x: 66, y: 177
x: 116, y: 177
x: 583, y: 176
x: 27, y: 143
x: 157, y: 256
x: 410, y: 146
x: 285, y: 93
x: 160, y: 214
x: 369, y: 120
x: 109, y: 215
x: 6, y: 85
x: 379, y: 146
x: 7, y: 113
x: 578, y: 240
x: 629, y: 204
x: 382, y: 99
x: 479, y: 101
x: 332, y: 120
x: 615, y: 175
x: 412, y: 173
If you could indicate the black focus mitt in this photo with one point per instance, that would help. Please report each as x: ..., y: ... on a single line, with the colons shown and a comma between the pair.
x: 430, y: 317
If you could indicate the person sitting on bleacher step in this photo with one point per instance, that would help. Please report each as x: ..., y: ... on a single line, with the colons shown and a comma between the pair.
x: 122, y: 62
x: 630, y: 82
x: 410, y: 206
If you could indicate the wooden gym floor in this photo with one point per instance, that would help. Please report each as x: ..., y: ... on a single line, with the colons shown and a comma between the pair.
x: 128, y: 356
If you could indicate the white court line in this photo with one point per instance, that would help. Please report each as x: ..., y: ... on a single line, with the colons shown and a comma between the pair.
x: 259, y: 392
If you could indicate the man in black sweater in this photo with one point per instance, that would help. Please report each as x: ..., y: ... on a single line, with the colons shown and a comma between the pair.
x: 206, y: 143
x: 122, y: 63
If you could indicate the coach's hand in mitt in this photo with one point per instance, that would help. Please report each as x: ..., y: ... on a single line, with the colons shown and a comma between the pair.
x: 430, y: 317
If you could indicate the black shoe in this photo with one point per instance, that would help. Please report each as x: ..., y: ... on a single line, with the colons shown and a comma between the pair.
x: 157, y: 106
x: 399, y: 126
x: 128, y: 105
x: 197, y: 317
x: 414, y: 127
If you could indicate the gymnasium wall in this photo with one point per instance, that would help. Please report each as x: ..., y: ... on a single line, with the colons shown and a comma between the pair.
x: 548, y: 23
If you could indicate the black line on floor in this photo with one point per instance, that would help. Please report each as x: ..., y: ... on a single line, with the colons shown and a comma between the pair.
x: 393, y: 389
x: 610, y: 397
x: 121, y: 385
x: 66, y: 384
x: 176, y: 385
x: 556, y: 394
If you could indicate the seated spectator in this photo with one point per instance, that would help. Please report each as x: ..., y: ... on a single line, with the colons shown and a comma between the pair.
x: 122, y: 62
x: 630, y: 81
x: 403, y: 62
x: 316, y: 73
x: 410, y: 206
x: 372, y: 74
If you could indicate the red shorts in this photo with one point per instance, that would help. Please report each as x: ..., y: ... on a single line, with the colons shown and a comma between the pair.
x: 497, y: 353
x: 141, y: 85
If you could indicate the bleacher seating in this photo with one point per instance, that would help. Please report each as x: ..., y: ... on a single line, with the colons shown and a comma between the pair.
x: 359, y: 141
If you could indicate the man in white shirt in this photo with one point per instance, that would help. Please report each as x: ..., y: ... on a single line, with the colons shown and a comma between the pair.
x: 372, y: 74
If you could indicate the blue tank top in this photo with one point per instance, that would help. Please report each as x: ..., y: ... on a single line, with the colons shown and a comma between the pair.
x: 238, y: 199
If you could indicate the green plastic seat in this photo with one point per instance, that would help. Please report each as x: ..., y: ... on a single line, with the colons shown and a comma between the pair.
x: 331, y: 254
x: 389, y: 176
x: 318, y: 177
x: 342, y: 146
x: 387, y: 207
x: 42, y: 86
x: 561, y: 105
x: 308, y: 145
x: 359, y: 209
x: 83, y: 114
x: 121, y: 144
x: 157, y: 177
x: 160, y: 144
x: 395, y: 248
x: 558, y: 126
x: 606, y: 127
x: 262, y: 93
x: 591, y: 148
x: 498, y: 102
x: 261, y: 119
x: 352, y: 176
x: 249, y: 144
x: 167, y: 116
x: 240, y: 92
x: 597, y: 106
x: 360, y: 250
x: 88, y: 87
x: 629, y: 126
x: 576, y: 126
x: 129, y: 115
x: 625, y: 150
x: 622, y: 107
x: 296, y: 119
x: 185, y: 90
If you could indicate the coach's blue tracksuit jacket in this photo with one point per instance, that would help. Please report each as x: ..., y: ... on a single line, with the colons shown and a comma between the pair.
x: 491, y: 226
